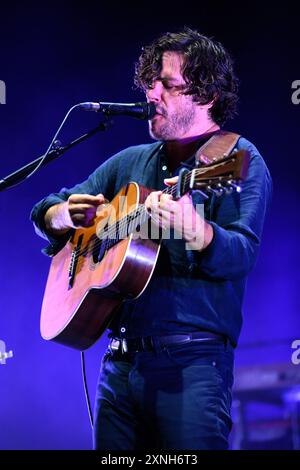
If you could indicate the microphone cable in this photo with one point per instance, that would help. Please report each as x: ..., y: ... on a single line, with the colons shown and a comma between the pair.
x: 51, y: 147
x: 86, y: 392
x: 52, y: 143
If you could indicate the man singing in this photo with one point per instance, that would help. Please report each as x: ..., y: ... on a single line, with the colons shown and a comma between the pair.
x: 165, y: 380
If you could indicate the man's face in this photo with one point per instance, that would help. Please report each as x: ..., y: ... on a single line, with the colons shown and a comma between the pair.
x: 177, y: 114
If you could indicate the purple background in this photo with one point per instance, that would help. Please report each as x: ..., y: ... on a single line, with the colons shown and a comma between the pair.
x: 55, y: 55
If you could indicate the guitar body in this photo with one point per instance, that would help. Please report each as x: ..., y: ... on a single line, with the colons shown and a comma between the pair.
x: 105, y: 264
x: 88, y: 283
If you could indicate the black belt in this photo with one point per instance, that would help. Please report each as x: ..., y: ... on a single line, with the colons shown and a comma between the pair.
x: 148, y: 343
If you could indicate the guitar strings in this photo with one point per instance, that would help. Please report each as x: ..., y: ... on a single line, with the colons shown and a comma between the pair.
x: 137, y: 219
x: 124, y: 228
x: 123, y: 223
x: 171, y: 189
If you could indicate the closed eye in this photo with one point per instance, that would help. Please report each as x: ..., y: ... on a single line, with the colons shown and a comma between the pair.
x: 172, y: 86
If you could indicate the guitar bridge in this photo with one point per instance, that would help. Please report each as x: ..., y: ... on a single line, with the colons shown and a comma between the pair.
x: 74, y: 262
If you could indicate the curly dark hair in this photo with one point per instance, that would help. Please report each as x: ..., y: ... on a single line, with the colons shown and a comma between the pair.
x: 207, y: 70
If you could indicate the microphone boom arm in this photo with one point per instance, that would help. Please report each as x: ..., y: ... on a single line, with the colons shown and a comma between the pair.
x: 19, y: 175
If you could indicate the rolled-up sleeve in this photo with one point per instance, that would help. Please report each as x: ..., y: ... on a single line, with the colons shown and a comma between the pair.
x: 237, y: 222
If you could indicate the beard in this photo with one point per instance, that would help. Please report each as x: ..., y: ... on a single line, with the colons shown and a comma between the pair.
x: 172, y: 126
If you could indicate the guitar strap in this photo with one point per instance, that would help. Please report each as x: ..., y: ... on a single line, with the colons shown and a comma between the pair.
x: 217, y: 147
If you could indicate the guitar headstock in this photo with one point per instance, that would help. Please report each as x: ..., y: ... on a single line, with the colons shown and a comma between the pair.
x: 222, y: 176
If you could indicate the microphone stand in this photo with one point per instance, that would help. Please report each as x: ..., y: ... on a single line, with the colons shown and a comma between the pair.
x: 20, y: 175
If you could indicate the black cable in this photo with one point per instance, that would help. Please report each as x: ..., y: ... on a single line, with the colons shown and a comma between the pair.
x: 51, y: 147
x: 86, y: 392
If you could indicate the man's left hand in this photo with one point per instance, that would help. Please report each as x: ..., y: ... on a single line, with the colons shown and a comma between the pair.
x: 181, y: 216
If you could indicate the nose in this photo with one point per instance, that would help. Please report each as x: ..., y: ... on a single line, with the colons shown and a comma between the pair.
x: 154, y: 93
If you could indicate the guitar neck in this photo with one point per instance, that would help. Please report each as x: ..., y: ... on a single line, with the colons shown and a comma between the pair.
x: 129, y: 224
x: 222, y: 176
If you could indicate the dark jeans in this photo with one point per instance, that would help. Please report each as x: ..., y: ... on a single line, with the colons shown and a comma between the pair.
x: 176, y: 398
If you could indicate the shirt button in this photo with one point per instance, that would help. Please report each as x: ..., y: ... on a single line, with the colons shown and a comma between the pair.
x: 123, y: 329
x: 164, y: 167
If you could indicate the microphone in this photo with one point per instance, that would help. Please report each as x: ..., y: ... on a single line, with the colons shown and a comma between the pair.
x: 137, y: 110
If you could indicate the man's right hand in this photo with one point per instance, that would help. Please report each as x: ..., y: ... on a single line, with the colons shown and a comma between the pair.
x: 77, y: 212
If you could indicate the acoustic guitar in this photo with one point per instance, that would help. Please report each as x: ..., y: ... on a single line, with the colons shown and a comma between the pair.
x: 109, y: 262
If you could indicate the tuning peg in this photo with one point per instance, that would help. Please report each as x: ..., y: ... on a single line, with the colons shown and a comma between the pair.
x: 237, y: 187
x: 227, y: 186
x: 228, y: 189
x: 218, y: 191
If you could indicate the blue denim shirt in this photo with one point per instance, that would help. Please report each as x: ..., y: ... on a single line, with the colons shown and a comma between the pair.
x: 189, y: 290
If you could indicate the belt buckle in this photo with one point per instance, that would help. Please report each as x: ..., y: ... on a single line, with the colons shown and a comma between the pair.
x: 114, y: 345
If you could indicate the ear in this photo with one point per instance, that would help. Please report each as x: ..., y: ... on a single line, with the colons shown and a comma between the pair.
x: 212, y: 102
x: 209, y: 105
